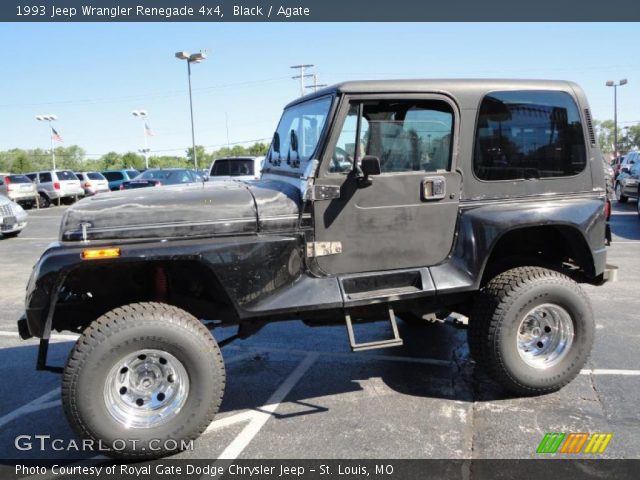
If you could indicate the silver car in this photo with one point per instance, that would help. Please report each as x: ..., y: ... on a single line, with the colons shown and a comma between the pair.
x: 12, y: 217
x: 93, y: 182
x: 236, y: 168
x: 57, y: 186
x: 19, y: 188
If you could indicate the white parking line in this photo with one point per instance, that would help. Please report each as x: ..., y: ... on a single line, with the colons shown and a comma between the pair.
x: 235, y: 448
x: 54, y: 336
x: 609, y: 371
x: 39, y: 403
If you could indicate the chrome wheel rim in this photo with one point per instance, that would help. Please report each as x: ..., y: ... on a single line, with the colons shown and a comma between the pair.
x: 146, y: 388
x: 545, y: 336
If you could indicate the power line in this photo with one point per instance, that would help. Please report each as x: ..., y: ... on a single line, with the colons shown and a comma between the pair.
x: 302, y: 75
x: 316, y: 85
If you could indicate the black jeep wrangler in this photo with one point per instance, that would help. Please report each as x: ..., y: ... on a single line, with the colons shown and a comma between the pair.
x: 483, y: 197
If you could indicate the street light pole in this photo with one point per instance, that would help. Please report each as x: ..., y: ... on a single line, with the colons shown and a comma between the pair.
x: 142, y: 114
x: 49, y: 118
x: 611, y: 83
x: 193, y: 58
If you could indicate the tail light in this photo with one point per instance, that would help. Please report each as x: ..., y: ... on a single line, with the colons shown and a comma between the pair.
x: 158, y: 184
x: 121, y: 186
x: 56, y: 185
x: 607, y: 209
x: 7, y: 182
x: 87, y: 185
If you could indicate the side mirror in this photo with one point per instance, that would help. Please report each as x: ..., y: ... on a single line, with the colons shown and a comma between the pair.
x: 624, y: 169
x: 370, y: 165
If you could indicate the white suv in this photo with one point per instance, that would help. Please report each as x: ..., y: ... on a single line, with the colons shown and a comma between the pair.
x: 57, y: 185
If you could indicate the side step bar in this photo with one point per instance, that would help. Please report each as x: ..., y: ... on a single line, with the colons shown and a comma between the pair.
x: 396, y: 341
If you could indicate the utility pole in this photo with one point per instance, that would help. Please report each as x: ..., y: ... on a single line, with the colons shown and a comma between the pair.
x: 302, y: 75
x: 316, y: 85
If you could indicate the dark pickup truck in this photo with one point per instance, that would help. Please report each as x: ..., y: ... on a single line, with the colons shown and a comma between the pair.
x: 377, y: 198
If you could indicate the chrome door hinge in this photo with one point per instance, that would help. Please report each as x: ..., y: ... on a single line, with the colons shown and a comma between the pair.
x: 321, y: 249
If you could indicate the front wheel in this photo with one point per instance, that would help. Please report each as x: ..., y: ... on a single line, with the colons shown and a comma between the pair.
x: 532, y: 330
x: 143, y: 380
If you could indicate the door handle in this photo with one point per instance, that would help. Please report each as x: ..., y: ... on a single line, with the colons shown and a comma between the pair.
x: 433, y: 188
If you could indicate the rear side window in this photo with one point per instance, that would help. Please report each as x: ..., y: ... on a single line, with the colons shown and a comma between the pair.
x: 44, y: 177
x: 133, y: 173
x: 528, y: 134
x: 113, y: 176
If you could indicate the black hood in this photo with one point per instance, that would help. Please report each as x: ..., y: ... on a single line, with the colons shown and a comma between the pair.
x: 209, y: 209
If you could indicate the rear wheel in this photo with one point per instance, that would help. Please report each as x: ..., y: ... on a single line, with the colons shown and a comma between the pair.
x: 43, y: 201
x: 144, y: 380
x: 619, y: 195
x: 532, y: 330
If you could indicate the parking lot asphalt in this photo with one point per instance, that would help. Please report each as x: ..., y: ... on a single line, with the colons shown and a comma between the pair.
x: 297, y: 392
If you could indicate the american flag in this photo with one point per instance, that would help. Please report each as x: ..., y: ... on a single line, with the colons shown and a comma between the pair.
x: 55, y: 136
x: 147, y: 130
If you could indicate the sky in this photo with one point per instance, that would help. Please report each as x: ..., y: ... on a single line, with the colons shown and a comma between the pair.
x: 93, y: 75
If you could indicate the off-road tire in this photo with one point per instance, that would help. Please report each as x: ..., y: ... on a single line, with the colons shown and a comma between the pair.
x: 498, y: 312
x: 124, y: 331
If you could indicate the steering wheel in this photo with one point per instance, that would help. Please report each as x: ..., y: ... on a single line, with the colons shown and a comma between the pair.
x: 335, y: 161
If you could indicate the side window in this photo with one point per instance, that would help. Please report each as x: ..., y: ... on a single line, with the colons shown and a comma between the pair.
x: 412, y: 135
x: 44, y: 177
x: 528, y: 134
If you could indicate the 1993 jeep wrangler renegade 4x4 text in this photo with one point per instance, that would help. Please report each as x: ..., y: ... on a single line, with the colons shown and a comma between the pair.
x: 484, y: 197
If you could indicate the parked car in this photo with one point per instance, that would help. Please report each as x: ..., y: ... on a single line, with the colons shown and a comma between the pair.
x: 93, y: 182
x: 116, y: 177
x: 12, y: 217
x: 157, y: 177
x: 61, y: 186
x: 19, y: 188
x: 399, y: 231
x: 627, y: 182
x: 236, y: 168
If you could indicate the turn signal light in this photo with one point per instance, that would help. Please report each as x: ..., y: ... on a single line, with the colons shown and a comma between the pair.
x: 99, y: 253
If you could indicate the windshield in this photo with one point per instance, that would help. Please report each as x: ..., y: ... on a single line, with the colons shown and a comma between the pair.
x: 298, y: 133
x: 166, y: 177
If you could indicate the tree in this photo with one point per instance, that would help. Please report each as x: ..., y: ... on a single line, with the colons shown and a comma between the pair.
x: 203, y: 159
x: 111, y: 161
x: 21, y: 163
x: 133, y: 160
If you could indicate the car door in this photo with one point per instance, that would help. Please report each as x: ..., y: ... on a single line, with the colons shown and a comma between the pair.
x: 405, y: 216
x: 632, y: 183
x: 629, y: 185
